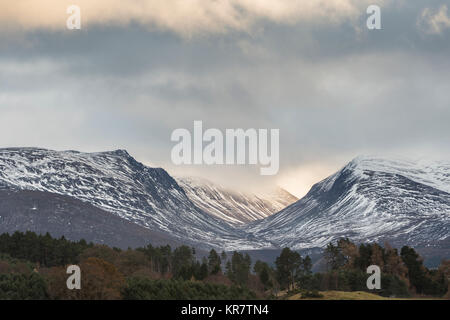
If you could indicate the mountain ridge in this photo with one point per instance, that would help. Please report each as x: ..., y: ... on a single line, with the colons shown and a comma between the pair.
x: 364, y: 204
x: 117, y: 183
x: 368, y: 200
x: 234, y: 206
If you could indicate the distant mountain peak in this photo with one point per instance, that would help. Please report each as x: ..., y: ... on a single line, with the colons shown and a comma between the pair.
x: 117, y: 183
x: 118, y: 152
x: 369, y: 199
x: 232, y: 205
x: 430, y: 172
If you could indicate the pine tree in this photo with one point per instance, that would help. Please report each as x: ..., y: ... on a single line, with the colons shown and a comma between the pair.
x: 214, y: 262
x: 288, y: 268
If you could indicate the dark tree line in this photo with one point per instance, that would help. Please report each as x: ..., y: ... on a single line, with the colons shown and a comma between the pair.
x: 42, y: 249
x: 291, y: 267
x: 34, y: 267
x: 403, y: 272
x: 181, y: 262
x: 148, y: 289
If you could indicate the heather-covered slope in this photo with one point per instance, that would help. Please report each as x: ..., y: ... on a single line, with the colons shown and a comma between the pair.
x: 43, y: 212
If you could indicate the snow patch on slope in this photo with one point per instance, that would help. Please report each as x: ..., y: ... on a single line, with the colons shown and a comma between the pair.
x: 115, y: 182
x: 370, y: 199
x: 235, y: 207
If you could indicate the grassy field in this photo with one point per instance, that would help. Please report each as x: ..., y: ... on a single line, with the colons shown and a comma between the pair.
x: 356, y: 295
x: 341, y: 295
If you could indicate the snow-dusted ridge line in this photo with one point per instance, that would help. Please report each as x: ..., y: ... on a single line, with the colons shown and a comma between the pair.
x: 370, y: 199
x: 435, y: 174
x: 233, y: 206
x: 116, y: 182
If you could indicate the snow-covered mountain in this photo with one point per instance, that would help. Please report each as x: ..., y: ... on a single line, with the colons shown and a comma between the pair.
x: 235, y: 207
x: 370, y: 199
x: 117, y: 183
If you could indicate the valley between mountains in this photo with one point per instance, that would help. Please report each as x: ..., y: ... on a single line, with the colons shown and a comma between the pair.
x: 110, y: 198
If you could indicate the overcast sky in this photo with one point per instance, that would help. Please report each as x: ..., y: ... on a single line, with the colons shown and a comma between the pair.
x: 139, y: 69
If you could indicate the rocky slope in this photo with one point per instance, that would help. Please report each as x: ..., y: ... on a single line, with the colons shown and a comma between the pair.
x: 235, y: 207
x: 115, y: 182
x: 43, y: 212
x: 370, y: 199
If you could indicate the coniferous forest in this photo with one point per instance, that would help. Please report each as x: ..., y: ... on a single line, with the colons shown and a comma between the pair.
x: 35, y: 267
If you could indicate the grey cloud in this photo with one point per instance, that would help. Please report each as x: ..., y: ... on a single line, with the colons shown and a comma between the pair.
x: 334, y: 91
